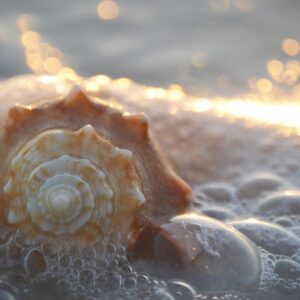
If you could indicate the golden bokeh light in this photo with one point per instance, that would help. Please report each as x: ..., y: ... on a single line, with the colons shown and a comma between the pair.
x: 264, y: 85
x: 102, y: 79
x: 91, y: 86
x: 289, y: 77
x: 296, y: 90
x: 244, y: 5
x: 284, y: 116
x: 23, y: 23
x: 200, y: 105
x: 68, y: 74
x: 122, y: 83
x: 254, y: 110
x: 108, y: 10
x: 293, y: 66
x: 155, y: 93
x: 275, y: 68
x: 41, y: 57
x: 175, y: 92
x: 52, y: 65
x: 30, y: 39
x: 284, y: 73
x: 290, y: 47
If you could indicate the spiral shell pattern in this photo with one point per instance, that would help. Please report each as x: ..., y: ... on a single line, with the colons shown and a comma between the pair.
x: 72, y: 182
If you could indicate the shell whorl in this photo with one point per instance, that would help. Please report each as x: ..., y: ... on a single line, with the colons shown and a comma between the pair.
x: 65, y: 181
x: 63, y: 177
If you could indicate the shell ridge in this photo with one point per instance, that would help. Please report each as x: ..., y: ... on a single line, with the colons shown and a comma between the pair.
x: 137, y: 124
x: 66, y: 192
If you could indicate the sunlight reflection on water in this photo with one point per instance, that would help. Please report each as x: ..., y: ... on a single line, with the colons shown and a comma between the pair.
x: 212, y: 47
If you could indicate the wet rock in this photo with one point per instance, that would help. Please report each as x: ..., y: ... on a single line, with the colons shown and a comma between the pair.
x: 296, y: 230
x: 270, y: 237
x: 258, y: 184
x: 287, y: 269
x: 199, y: 198
x: 34, y: 262
x: 281, y: 203
x: 218, y: 213
x: 5, y: 295
x: 203, y: 251
x: 218, y: 192
x: 7, y: 291
x: 284, y: 221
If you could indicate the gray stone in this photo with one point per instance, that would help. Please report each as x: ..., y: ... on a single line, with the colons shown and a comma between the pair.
x: 218, y: 213
x: 217, y: 191
x: 258, y: 184
x: 212, y: 252
x: 287, y: 269
x: 280, y: 204
x: 270, y: 237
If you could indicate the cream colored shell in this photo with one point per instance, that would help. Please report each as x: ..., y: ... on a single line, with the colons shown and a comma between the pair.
x: 66, y: 182
x: 63, y: 178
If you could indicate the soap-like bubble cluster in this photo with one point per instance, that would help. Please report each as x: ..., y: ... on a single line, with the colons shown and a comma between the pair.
x: 52, y: 268
x: 265, y: 208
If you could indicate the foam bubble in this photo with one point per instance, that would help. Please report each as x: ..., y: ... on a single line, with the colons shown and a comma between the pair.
x: 161, y: 294
x: 34, y: 263
x: 60, y: 269
x: 87, y: 277
x: 181, y: 290
x: 50, y: 248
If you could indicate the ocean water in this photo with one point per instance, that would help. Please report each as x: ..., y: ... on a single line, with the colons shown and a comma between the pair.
x: 210, y: 46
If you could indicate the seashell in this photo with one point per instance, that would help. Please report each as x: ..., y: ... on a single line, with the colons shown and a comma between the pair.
x: 75, y: 166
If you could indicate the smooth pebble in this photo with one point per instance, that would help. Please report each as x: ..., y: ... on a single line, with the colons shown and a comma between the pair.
x: 257, y: 184
x: 271, y: 237
x: 5, y: 295
x: 218, y: 192
x: 280, y: 204
x: 287, y: 269
x: 211, y: 251
x: 218, y: 213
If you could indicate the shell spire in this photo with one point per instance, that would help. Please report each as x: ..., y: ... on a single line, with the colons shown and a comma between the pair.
x: 137, y: 123
x: 76, y: 97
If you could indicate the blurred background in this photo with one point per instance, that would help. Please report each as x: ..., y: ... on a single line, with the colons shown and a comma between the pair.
x: 210, y: 47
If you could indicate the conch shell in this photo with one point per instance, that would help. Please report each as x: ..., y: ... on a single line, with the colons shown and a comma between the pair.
x: 74, y: 166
